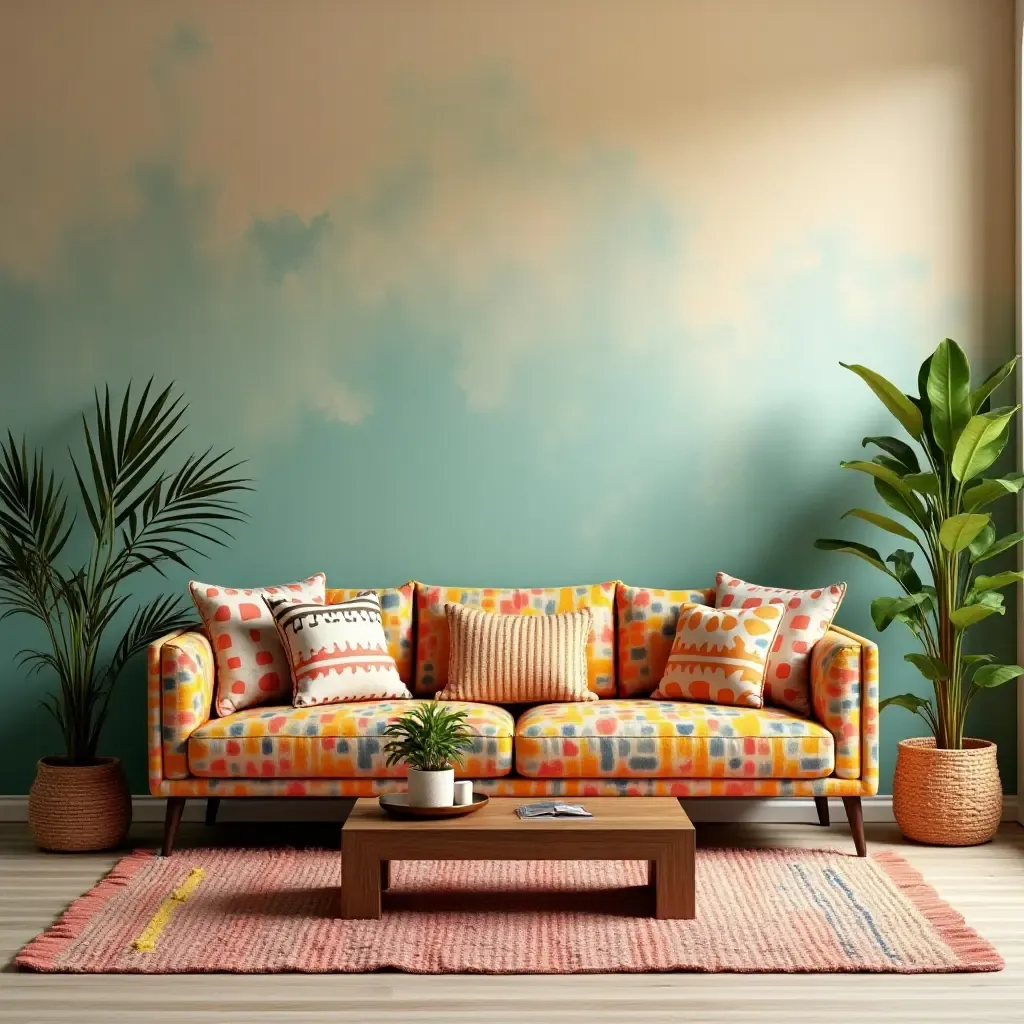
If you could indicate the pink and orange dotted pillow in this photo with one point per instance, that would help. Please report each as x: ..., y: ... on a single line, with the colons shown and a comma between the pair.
x: 252, y: 667
x: 719, y: 656
x: 808, y: 615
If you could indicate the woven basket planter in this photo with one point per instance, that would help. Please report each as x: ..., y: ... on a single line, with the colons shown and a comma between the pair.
x: 947, y: 797
x: 73, y: 808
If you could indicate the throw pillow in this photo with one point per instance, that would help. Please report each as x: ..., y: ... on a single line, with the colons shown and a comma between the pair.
x: 251, y: 664
x: 647, y: 621
x: 718, y: 656
x: 516, y: 659
x: 808, y: 615
x: 337, y: 652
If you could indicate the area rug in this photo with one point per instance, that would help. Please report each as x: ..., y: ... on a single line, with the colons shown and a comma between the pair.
x: 276, y: 910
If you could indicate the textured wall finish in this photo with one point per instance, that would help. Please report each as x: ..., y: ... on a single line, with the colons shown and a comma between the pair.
x: 506, y: 294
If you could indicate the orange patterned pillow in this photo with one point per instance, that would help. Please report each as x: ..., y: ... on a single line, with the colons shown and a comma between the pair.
x: 808, y: 615
x: 719, y: 657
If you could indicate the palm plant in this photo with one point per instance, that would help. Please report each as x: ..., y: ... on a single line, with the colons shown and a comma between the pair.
x: 429, y: 738
x: 960, y: 436
x: 141, y: 517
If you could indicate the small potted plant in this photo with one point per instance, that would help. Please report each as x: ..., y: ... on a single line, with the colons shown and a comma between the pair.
x: 139, y: 517
x: 946, y: 786
x: 430, y: 739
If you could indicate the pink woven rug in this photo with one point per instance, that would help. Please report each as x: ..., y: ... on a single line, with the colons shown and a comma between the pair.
x: 267, y: 911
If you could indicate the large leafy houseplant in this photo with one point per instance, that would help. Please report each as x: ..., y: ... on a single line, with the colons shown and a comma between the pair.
x: 940, y: 491
x: 141, y: 517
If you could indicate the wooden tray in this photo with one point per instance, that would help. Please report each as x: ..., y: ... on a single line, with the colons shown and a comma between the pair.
x: 396, y: 805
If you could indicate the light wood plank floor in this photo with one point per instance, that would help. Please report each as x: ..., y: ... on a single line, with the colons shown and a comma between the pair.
x: 985, y: 883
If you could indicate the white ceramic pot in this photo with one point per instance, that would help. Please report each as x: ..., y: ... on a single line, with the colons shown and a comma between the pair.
x: 431, y: 789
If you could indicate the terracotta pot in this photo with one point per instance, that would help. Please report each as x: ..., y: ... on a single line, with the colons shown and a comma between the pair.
x: 73, y: 808
x: 947, y: 797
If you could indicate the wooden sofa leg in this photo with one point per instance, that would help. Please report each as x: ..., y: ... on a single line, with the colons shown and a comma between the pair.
x: 212, y: 806
x: 175, y: 805
x: 821, y: 806
x: 855, y: 815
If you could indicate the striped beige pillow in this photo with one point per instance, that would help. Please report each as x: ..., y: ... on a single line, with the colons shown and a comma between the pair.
x: 516, y: 659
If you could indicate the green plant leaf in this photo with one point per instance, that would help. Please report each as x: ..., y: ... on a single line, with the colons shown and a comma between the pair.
x: 892, y: 398
x: 899, y: 450
x: 949, y: 392
x: 985, y: 491
x: 980, y: 444
x: 903, y: 569
x: 980, y: 395
x: 908, y: 505
x: 972, y: 613
x: 883, y: 522
x: 975, y: 659
x: 982, y: 543
x: 957, y: 532
x: 931, y: 668
x: 851, y: 547
x: 880, y: 472
x: 1000, y: 579
x: 994, y: 547
x: 884, y: 610
x: 995, y: 675
x: 927, y: 438
x: 908, y: 701
x: 923, y: 483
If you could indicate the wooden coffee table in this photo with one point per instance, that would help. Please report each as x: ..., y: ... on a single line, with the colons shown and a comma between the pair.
x: 654, y: 829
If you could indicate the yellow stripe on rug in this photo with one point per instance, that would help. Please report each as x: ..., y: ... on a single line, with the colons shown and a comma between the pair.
x: 146, y: 942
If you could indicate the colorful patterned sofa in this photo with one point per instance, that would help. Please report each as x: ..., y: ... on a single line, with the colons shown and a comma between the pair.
x: 624, y: 744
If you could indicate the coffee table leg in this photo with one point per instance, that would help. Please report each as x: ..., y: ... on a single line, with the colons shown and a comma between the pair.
x: 385, y: 875
x: 674, y: 880
x: 361, y: 877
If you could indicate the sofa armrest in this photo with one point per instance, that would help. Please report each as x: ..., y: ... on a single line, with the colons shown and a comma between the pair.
x: 180, y: 695
x: 844, y: 696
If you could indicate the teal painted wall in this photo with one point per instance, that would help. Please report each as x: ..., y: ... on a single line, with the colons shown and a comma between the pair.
x: 507, y: 296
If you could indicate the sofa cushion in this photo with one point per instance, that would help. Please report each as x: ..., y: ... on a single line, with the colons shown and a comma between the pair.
x: 252, y: 667
x: 396, y: 613
x: 432, y: 626
x: 719, y: 656
x: 669, y: 740
x: 809, y: 613
x: 509, y: 659
x: 333, y: 741
x: 646, y: 623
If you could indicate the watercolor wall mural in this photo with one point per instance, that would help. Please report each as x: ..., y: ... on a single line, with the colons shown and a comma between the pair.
x: 506, y: 294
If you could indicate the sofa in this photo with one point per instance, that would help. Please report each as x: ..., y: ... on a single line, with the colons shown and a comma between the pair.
x: 623, y: 744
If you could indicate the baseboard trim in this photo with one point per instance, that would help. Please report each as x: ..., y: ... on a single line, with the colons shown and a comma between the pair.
x: 780, y: 810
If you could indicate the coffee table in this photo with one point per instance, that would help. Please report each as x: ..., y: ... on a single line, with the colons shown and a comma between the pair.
x: 654, y: 829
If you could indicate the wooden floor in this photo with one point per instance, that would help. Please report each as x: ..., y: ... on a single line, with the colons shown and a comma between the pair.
x: 985, y: 883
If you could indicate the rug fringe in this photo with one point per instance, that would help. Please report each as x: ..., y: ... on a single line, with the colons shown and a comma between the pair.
x: 956, y: 933
x: 42, y: 952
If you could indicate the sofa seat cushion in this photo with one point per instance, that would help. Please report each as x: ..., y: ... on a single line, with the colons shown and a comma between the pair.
x: 670, y: 740
x: 334, y: 741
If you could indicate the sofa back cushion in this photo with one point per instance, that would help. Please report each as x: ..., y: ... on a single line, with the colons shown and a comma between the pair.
x: 432, y: 625
x: 396, y: 612
x: 647, y: 620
